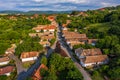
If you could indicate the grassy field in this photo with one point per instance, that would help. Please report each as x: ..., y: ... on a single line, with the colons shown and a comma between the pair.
x: 101, y: 27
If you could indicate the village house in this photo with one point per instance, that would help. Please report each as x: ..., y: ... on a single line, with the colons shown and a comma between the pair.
x: 94, y: 60
x: 4, y: 60
x: 74, y: 36
x: 72, y: 43
x: 45, y: 28
x: 29, y: 56
x: 51, y: 18
x: 6, y: 70
x: 50, y: 28
x: 45, y: 43
x: 36, y: 75
x: 41, y: 34
x: 91, y: 57
x: 47, y: 37
x: 82, y: 53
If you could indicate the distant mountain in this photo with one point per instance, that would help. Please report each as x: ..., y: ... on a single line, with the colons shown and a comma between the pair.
x: 10, y: 12
x: 33, y: 12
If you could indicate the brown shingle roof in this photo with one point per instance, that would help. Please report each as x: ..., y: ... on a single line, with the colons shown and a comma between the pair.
x: 44, y: 27
x: 95, y: 59
x: 29, y: 54
x: 3, y: 59
x: 89, y: 52
x: 74, y: 35
x: 6, y: 69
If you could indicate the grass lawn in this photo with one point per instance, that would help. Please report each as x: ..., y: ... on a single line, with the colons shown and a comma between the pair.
x: 28, y: 64
x: 101, y: 27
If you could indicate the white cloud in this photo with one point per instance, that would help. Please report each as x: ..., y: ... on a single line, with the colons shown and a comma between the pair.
x: 106, y: 4
x: 55, y: 4
x: 62, y: 1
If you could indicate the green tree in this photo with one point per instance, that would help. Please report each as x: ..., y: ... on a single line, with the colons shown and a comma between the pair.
x: 43, y: 60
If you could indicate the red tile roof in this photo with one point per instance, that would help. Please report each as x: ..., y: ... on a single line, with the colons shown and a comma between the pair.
x: 51, y: 18
x: 29, y: 54
x: 36, y: 75
x: 6, y: 69
x: 49, y: 27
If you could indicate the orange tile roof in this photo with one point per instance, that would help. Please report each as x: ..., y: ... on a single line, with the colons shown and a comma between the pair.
x: 49, y: 27
x: 6, y: 69
x: 95, y: 59
x: 74, y: 35
x: 3, y: 59
x: 29, y: 54
x: 51, y: 18
x: 36, y: 75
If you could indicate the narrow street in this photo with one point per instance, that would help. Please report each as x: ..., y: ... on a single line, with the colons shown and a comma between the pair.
x: 18, y: 63
x: 86, y: 76
x: 23, y: 75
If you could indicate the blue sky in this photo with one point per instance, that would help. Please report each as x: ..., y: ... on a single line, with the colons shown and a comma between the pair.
x: 55, y: 5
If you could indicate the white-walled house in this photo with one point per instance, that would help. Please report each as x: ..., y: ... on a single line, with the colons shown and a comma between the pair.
x: 94, y: 60
x: 29, y: 56
x: 82, y: 53
x: 45, y: 28
x: 6, y: 70
x: 91, y: 57
x: 4, y: 60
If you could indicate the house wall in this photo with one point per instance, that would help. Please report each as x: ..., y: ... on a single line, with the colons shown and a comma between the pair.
x: 3, y: 63
x: 29, y: 59
x: 37, y: 30
x: 7, y: 74
x: 51, y: 30
x: 90, y: 64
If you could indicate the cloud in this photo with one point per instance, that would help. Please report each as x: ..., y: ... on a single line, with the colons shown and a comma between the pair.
x: 55, y: 5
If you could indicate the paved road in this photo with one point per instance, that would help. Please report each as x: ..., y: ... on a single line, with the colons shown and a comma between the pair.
x: 18, y: 63
x: 86, y: 76
x: 23, y: 75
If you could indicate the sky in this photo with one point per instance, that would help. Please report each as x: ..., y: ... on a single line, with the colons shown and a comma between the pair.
x: 55, y: 5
